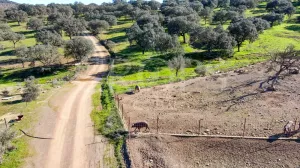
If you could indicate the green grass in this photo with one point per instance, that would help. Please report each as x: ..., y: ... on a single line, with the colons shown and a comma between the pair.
x: 107, y: 120
x: 12, y: 159
x: 15, y: 159
x: 130, y: 67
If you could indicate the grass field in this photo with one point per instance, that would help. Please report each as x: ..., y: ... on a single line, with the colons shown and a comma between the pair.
x: 132, y: 67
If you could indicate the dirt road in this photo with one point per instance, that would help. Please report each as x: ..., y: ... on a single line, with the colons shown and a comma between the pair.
x: 67, y: 122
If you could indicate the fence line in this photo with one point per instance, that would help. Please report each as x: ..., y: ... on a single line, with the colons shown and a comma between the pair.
x: 246, y: 127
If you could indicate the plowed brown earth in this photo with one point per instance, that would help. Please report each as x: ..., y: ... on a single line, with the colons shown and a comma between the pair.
x: 172, y: 152
x: 221, y: 102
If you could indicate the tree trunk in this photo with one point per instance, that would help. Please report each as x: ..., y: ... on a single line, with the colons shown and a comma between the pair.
x: 23, y: 64
x: 184, y: 41
x: 177, y: 70
x: 239, y: 46
x: 143, y: 51
x: 18, y: 22
x: 272, y: 24
x: 14, y: 44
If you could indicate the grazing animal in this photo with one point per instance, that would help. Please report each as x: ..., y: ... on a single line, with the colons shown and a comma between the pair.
x: 287, y: 129
x: 137, y: 88
x: 140, y: 125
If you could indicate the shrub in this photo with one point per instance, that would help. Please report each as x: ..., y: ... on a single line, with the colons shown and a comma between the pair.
x: 201, y: 70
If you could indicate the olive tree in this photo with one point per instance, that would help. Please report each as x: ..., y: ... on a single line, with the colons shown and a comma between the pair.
x: 16, y: 15
x: 22, y: 54
x: 46, y: 54
x: 49, y: 38
x: 97, y: 26
x: 180, y: 26
x: 31, y: 90
x: 178, y: 63
x: 35, y: 23
x: 243, y: 30
x: 206, y: 13
x: 282, y: 63
x: 73, y: 26
x: 273, y: 18
x: 213, y: 39
x: 14, y: 37
x: 79, y: 48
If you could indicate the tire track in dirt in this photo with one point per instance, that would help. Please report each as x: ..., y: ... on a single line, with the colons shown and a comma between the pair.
x: 73, y: 144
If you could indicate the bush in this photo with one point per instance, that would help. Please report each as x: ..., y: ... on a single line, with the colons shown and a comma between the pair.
x: 201, y: 70
x: 5, y: 138
x: 31, y: 90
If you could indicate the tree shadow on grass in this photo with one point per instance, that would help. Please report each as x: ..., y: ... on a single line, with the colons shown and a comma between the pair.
x: 293, y: 28
x: 204, y: 56
x: 124, y: 70
x: 154, y: 64
x: 116, y: 30
x: 9, y: 61
x: 8, y: 52
x: 12, y: 102
x: 20, y: 75
x: 27, y: 32
x: 257, y: 11
x: 119, y: 39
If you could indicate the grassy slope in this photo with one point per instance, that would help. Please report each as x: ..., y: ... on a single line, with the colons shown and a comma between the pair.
x: 130, y: 71
x: 14, y: 75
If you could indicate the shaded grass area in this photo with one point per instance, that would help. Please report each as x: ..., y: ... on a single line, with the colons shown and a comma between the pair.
x: 12, y: 77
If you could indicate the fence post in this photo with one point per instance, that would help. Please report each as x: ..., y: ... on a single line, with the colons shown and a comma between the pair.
x: 200, y: 126
x: 129, y: 128
x: 157, y: 125
x: 5, y: 122
x: 122, y: 110
x: 295, y: 123
x: 244, y: 128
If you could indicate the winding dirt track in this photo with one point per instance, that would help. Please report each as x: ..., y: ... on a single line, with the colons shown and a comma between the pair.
x: 67, y: 121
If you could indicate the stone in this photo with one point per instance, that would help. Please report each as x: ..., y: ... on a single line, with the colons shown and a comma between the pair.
x: 207, y: 131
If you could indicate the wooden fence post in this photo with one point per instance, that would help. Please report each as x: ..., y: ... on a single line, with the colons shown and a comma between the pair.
x: 122, y: 110
x: 295, y: 124
x: 244, y: 127
x: 129, y: 128
x: 5, y: 122
x: 157, y: 124
x: 200, y: 126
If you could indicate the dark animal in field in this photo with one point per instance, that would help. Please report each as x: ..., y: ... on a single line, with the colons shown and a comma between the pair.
x: 140, y: 125
x: 288, y: 128
x: 137, y: 89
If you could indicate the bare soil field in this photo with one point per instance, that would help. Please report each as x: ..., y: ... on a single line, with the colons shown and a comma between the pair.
x: 222, y: 102
x: 173, y: 152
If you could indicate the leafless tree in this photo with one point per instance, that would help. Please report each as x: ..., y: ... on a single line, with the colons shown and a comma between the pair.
x: 283, y: 63
x: 178, y: 63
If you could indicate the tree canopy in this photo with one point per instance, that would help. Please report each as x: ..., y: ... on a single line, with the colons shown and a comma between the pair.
x: 79, y: 48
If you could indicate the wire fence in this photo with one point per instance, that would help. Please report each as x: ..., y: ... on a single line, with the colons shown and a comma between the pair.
x: 173, y: 124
